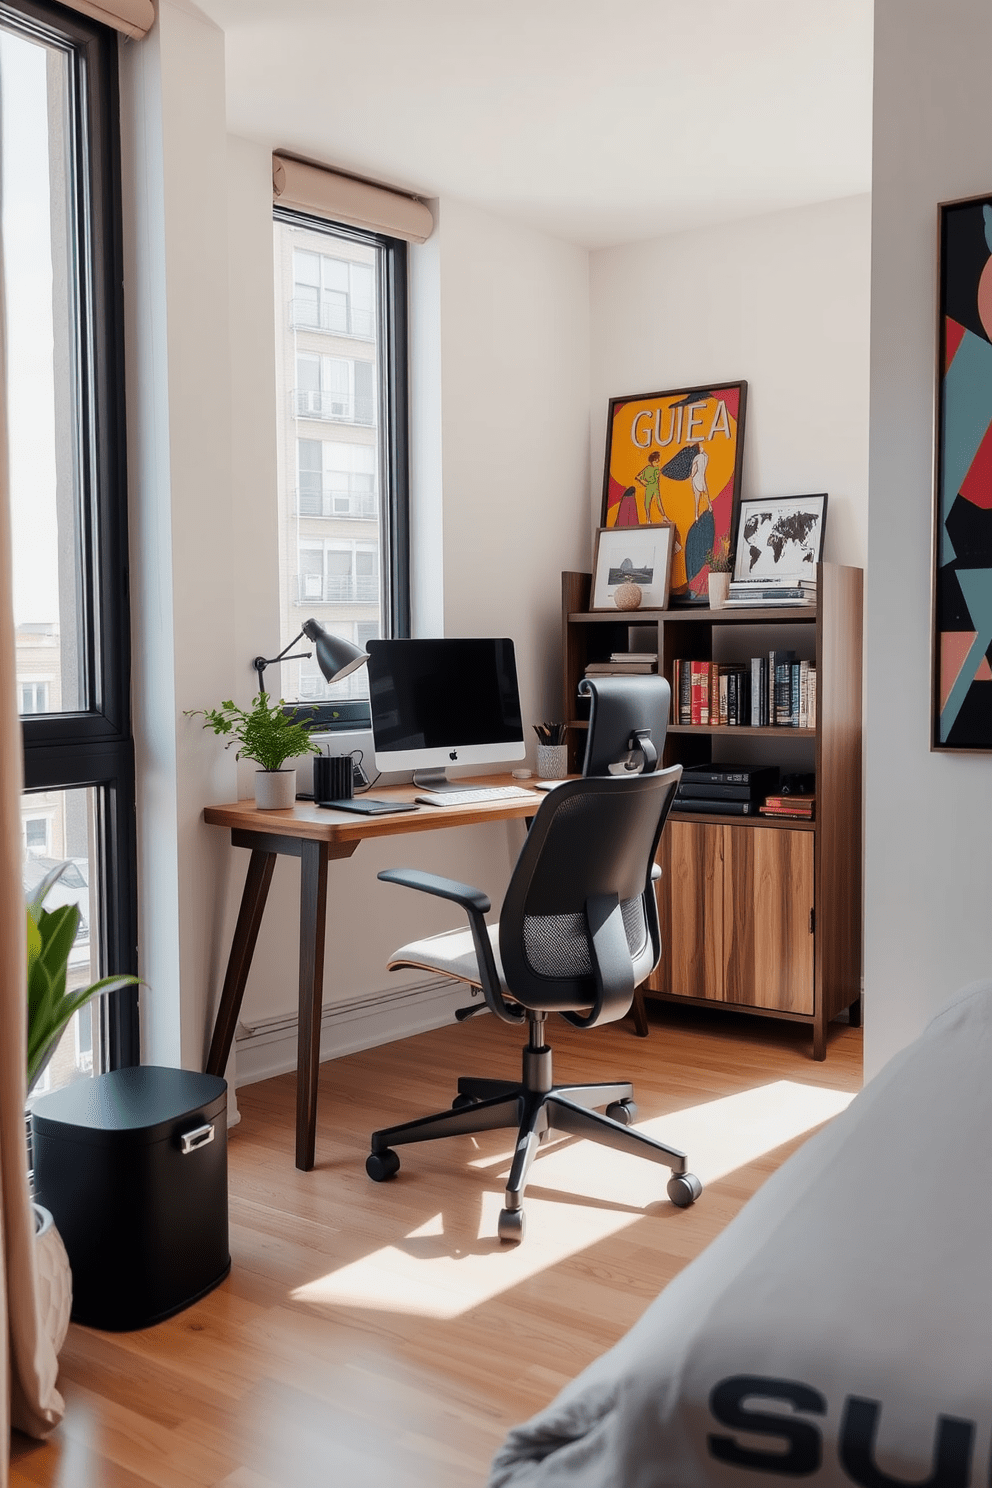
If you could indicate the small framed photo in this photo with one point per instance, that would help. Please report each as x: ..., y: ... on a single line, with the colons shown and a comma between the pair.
x: 779, y: 539
x: 639, y: 555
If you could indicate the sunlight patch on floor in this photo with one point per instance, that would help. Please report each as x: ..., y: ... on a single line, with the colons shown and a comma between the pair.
x: 579, y: 1193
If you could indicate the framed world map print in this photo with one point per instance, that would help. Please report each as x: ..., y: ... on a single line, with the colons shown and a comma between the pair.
x: 779, y: 539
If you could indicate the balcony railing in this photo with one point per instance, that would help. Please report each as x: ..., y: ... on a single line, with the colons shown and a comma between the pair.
x: 355, y: 589
x: 337, y: 320
x: 334, y: 407
x: 348, y: 506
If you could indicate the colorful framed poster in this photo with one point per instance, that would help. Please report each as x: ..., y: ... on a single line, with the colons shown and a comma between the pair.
x: 962, y: 600
x: 677, y: 457
x: 639, y: 555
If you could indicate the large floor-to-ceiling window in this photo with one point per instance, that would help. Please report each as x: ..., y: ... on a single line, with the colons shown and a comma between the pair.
x: 61, y: 238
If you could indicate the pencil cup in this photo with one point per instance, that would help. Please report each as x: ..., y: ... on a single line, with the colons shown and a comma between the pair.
x: 552, y: 761
x: 332, y: 775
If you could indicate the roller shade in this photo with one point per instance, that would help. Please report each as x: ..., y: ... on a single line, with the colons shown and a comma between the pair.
x: 134, y: 17
x: 310, y: 188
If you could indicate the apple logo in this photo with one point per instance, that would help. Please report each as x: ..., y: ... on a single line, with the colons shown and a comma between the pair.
x: 453, y: 755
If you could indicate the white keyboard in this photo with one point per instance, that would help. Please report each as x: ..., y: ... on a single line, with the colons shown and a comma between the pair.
x: 475, y: 796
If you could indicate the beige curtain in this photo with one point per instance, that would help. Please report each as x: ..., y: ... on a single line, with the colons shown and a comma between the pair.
x: 28, y: 1366
x: 327, y: 193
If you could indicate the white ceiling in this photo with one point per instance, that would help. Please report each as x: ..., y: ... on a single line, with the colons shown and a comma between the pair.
x: 599, y: 121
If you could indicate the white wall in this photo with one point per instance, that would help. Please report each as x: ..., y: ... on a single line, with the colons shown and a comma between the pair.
x: 515, y: 399
x: 179, y: 459
x: 929, y: 825
x: 780, y: 301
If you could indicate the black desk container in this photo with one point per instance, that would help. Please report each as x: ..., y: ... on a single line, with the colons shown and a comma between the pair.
x: 133, y: 1166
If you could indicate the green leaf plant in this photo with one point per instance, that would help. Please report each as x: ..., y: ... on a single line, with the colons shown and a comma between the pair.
x: 50, y: 1007
x: 264, y: 733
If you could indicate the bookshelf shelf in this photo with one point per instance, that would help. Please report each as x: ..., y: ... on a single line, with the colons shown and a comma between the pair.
x: 743, y: 730
x: 775, y: 823
x: 759, y: 914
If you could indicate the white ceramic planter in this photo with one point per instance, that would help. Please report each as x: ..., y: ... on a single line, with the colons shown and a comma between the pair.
x: 275, y: 790
x: 54, y: 1277
x: 719, y: 587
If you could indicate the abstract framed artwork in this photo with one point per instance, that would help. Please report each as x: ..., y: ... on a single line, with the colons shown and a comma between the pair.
x: 962, y: 591
x: 677, y: 457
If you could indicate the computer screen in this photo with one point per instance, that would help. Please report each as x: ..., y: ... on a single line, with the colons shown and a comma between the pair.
x: 441, y: 702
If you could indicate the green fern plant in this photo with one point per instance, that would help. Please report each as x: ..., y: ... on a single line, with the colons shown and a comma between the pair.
x: 50, y: 1007
x: 265, y: 732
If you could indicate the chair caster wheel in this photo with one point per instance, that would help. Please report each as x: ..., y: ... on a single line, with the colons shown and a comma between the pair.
x: 382, y: 1165
x: 461, y: 1101
x: 623, y: 1111
x: 684, y: 1190
x: 511, y: 1226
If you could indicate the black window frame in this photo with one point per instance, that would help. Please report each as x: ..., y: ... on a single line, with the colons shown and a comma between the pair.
x: 392, y: 292
x: 94, y: 747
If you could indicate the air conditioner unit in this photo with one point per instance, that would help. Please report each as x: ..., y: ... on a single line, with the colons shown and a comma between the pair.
x: 313, y: 586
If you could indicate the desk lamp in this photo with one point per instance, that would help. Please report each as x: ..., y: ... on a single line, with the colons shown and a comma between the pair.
x: 335, y: 656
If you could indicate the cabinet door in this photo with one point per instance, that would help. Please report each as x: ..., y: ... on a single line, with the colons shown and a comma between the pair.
x: 691, y: 910
x: 767, y: 913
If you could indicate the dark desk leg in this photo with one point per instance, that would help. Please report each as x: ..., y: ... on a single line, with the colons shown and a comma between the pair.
x: 639, y: 1012
x: 313, y: 919
x: 253, y: 899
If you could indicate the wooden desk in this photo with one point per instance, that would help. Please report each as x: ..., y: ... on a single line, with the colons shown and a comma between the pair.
x: 315, y: 836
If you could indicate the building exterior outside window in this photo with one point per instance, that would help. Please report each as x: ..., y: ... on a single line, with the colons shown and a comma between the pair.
x: 339, y: 544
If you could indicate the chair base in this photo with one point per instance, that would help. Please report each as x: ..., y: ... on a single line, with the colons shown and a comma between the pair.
x: 534, y: 1106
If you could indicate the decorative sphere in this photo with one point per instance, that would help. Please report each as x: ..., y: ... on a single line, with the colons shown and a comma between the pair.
x: 627, y: 596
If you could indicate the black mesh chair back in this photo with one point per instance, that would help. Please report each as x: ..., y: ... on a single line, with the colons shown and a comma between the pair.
x: 579, y: 923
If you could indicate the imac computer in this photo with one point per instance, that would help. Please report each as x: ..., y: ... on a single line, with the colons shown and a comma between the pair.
x: 444, y: 702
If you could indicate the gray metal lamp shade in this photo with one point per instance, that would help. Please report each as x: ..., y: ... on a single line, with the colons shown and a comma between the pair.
x: 335, y: 657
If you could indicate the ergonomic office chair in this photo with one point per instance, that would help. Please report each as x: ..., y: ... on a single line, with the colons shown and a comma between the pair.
x: 578, y: 931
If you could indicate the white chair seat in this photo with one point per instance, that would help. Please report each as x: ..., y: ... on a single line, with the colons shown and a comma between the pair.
x: 451, y: 953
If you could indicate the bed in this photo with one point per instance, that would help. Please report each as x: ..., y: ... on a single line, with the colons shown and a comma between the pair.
x: 766, y: 1361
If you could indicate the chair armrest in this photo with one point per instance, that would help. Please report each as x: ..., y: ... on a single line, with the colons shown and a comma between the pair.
x: 444, y: 888
x: 476, y: 905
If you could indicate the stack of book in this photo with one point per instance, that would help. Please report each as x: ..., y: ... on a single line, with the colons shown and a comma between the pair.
x: 795, y: 806
x: 776, y: 690
x: 753, y: 592
x: 625, y: 664
x: 727, y: 790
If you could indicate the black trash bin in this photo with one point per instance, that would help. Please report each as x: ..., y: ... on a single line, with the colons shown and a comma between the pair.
x: 133, y: 1166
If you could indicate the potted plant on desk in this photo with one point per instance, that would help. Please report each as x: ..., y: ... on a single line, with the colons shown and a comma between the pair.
x: 268, y: 734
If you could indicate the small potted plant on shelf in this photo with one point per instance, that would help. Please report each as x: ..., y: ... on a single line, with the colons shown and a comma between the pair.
x: 268, y: 734
x: 720, y: 562
x: 50, y: 938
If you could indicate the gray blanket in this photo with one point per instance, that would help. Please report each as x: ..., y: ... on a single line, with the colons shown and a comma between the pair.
x: 838, y: 1331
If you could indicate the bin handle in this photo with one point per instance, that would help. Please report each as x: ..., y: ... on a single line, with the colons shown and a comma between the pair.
x: 192, y: 1140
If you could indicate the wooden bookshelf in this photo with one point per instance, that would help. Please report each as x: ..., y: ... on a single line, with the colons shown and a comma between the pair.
x: 759, y: 914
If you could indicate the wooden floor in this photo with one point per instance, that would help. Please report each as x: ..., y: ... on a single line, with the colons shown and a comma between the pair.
x: 378, y: 1336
